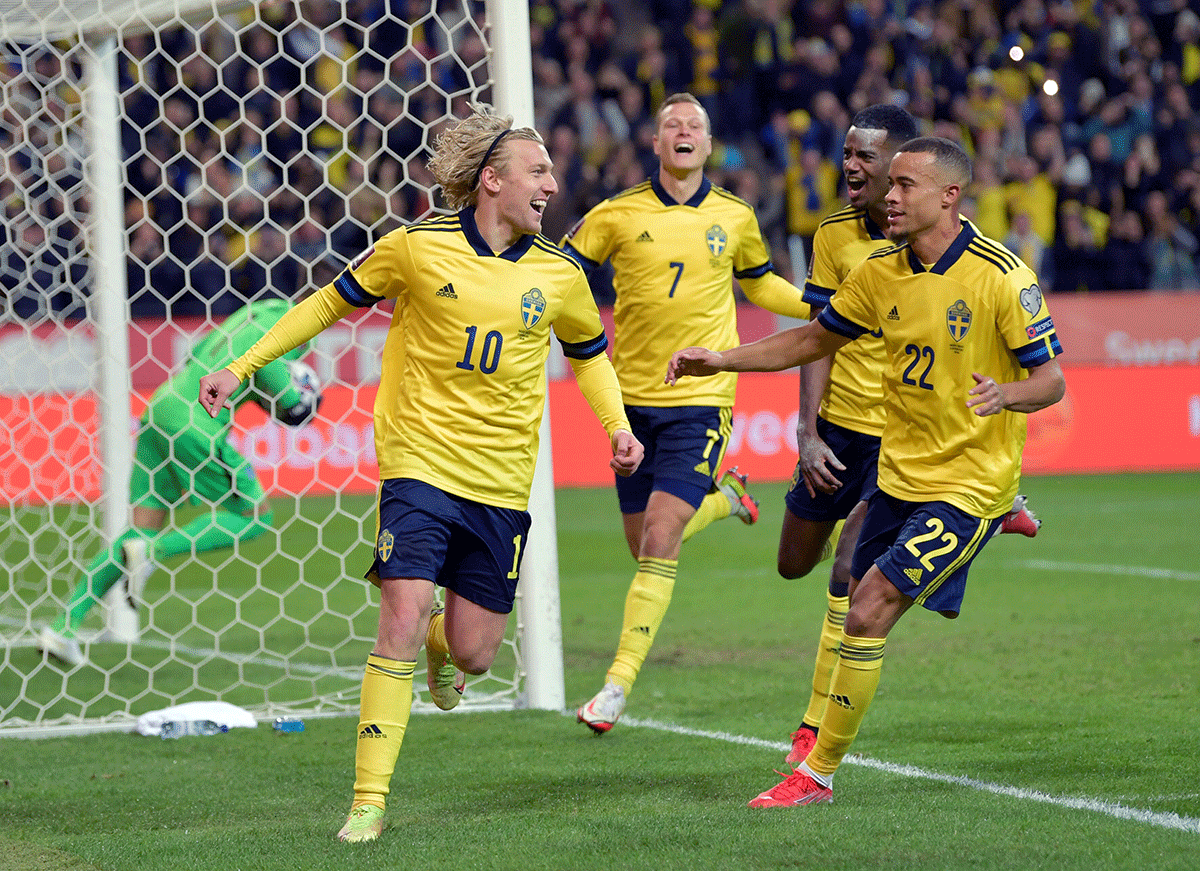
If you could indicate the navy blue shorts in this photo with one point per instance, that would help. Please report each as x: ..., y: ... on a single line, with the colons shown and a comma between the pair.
x: 923, y: 548
x: 859, y: 453
x: 684, y: 448
x: 464, y: 546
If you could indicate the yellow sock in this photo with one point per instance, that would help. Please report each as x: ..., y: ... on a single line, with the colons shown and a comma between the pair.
x: 645, y: 606
x: 714, y: 507
x: 827, y: 657
x: 387, y: 694
x: 831, y: 543
x: 851, y: 688
x: 435, y: 638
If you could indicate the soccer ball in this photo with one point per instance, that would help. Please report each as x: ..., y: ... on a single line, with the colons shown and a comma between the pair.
x: 305, y: 380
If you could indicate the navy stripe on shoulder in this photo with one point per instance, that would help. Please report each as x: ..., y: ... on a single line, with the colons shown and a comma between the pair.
x: 544, y: 244
x: 999, y: 250
x: 721, y: 192
x: 352, y: 292
x: 636, y: 189
x: 848, y: 213
x: 991, y: 255
x: 585, y: 350
x: 887, y: 252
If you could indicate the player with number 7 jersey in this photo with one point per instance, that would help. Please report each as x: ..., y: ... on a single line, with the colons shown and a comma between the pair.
x: 676, y: 242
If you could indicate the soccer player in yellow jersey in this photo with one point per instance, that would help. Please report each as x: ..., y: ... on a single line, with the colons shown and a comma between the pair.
x: 676, y: 241
x: 841, y: 403
x: 460, y: 398
x: 970, y: 349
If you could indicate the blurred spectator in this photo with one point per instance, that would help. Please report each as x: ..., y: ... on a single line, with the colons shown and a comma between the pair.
x: 701, y: 63
x: 812, y: 192
x: 1031, y: 189
x: 1027, y: 244
x: 1171, y: 247
x: 1124, y: 264
x: 1076, y: 253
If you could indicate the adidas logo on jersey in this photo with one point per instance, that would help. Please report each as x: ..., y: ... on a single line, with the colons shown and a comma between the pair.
x: 893, y: 315
x: 371, y: 731
x: 447, y: 292
x: 913, y: 574
x: 645, y: 237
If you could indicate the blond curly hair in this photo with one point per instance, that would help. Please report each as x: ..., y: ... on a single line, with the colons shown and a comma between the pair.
x: 461, y: 152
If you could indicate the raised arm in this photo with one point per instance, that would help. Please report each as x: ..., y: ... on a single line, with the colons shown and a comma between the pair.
x: 781, y: 350
x: 298, y: 324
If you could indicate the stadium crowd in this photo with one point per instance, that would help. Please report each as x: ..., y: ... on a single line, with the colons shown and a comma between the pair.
x: 1080, y: 116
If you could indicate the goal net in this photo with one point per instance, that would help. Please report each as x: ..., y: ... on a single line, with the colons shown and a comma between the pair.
x: 252, y: 151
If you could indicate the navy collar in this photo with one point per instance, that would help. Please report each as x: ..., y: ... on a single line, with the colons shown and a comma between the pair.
x: 950, y: 255
x: 668, y: 200
x: 874, y: 231
x: 475, y: 239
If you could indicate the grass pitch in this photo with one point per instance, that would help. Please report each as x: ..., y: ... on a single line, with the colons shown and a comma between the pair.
x: 1053, y: 725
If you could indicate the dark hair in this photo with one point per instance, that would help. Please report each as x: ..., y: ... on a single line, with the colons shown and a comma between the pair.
x: 946, y: 153
x: 899, y: 124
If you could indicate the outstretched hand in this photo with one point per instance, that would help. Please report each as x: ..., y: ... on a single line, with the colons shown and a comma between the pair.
x: 215, y: 390
x: 692, y: 361
x: 627, y: 453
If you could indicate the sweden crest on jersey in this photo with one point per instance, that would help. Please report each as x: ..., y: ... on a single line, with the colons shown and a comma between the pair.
x: 533, y: 303
x: 716, y: 239
x: 958, y: 320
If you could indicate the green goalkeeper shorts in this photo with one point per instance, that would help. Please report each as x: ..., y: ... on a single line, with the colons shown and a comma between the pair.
x: 192, y: 464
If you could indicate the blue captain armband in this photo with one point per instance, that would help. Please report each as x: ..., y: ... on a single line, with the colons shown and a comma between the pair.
x: 585, y: 350
x: 352, y: 292
x: 1039, y: 352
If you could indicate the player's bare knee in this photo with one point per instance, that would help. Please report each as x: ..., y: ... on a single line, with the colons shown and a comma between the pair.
x: 791, y: 569
x: 475, y: 661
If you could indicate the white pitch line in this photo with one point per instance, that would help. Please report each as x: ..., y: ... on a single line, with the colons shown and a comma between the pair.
x: 1103, y: 569
x: 1112, y: 809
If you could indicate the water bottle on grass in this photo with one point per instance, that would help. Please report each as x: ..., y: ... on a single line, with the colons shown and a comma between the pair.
x: 179, y: 728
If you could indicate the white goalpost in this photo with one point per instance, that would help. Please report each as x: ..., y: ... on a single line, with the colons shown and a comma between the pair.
x: 167, y: 161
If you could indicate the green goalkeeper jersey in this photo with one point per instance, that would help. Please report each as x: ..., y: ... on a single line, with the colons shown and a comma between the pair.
x: 174, y: 405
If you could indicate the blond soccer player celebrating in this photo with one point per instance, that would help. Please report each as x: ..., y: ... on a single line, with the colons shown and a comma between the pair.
x: 971, y: 349
x: 461, y: 395
x: 676, y: 242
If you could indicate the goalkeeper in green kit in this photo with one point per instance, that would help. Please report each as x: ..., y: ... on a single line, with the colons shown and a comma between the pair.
x: 183, y: 455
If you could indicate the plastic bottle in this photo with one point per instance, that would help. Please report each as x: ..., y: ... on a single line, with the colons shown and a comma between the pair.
x: 288, y: 724
x: 179, y: 728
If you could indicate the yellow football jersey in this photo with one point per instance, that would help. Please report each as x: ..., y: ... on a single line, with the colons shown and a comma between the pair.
x: 854, y: 395
x: 464, y: 378
x: 978, y: 309
x: 673, y: 264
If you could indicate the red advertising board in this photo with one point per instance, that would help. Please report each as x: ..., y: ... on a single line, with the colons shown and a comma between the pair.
x: 1135, y: 419
x: 1111, y: 420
